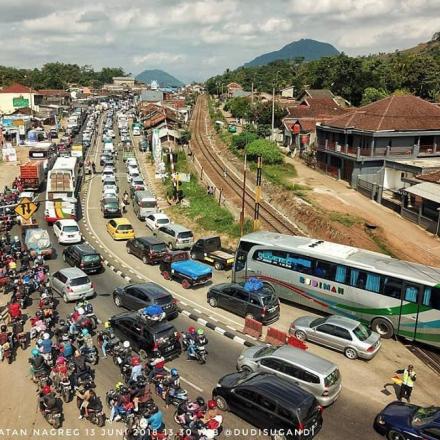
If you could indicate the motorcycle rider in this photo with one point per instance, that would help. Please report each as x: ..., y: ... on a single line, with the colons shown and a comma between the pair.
x: 24, y: 261
x: 60, y: 371
x: 212, y: 421
x: 85, y: 340
x: 37, y: 362
x: 81, y: 368
x: 171, y: 384
x: 107, y: 336
x: 157, y: 363
x: 139, y: 393
x: 18, y: 330
x: 200, y: 337
x: 45, y: 345
x: 190, y: 340
x: 88, y: 396
x: 125, y: 198
x: 136, y: 368
x: 47, y: 400
x: 14, y: 310
x: 74, y: 320
x: 4, y: 339
x: 155, y: 420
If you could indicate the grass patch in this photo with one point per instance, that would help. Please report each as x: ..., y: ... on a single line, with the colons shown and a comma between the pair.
x: 381, y: 244
x: 345, y: 219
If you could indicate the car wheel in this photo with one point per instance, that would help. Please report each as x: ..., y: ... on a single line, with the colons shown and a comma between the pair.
x: 166, y: 275
x: 212, y: 302
x: 221, y: 403
x: 351, y: 353
x: 117, y: 301
x: 383, y: 327
x: 394, y: 435
x: 144, y: 260
x: 186, y: 284
x: 299, y: 334
x: 218, y: 266
x: 193, y: 256
x: 128, y: 250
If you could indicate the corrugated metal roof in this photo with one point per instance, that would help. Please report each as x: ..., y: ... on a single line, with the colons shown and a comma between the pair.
x: 426, y: 190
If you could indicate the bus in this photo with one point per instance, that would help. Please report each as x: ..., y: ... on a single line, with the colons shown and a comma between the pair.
x: 61, y: 190
x: 43, y: 151
x: 394, y: 297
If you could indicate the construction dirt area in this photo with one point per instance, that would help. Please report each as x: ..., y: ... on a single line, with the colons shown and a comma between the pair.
x: 331, y: 210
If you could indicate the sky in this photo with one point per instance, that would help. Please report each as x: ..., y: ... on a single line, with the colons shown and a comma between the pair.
x: 195, y: 39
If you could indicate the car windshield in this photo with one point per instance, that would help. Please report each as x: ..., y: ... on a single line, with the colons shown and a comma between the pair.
x: 92, y: 258
x: 187, y: 234
x: 72, y: 228
x: 268, y: 299
x: 125, y: 228
x: 362, y: 332
x: 265, y: 351
x: 332, y: 378
x: 317, y: 322
x: 148, y: 204
x: 112, y: 205
x: 80, y: 281
x: 160, y: 247
x: 162, y: 221
x: 424, y: 416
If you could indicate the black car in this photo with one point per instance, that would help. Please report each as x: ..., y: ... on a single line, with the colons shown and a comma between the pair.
x: 110, y: 207
x: 269, y: 402
x: 262, y: 305
x: 84, y: 257
x: 149, y: 249
x: 138, y: 296
x: 145, y: 335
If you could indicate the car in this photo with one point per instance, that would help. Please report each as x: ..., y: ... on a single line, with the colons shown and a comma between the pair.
x: 131, y: 162
x: 175, y: 236
x: 132, y: 175
x: 110, y: 180
x: 67, y: 231
x: 120, y: 229
x: 138, y: 296
x: 269, y: 402
x: 109, y: 193
x: 146, y: 335
x: 108, y: 172
x: 104, y: 157
x: 310, y: 372
x: 83, y: 256
x: 109, y: 162
x: 404, y: 421
x: 156, y: 220
x: 110, y: 188
x: 338, y: 332
x: 262, y: 305
x: 133, y: 168
x: 110, y: 207
x: 139, y: 186
x: 149, y: 249
x: 72, y: 283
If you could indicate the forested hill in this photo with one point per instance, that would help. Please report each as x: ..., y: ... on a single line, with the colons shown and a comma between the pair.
x: 358, y: 79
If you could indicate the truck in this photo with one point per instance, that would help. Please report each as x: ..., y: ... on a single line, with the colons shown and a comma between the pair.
x: 178, y: 265
x: 77, y: 151
x: 32, y: 174
x: 210, y: 249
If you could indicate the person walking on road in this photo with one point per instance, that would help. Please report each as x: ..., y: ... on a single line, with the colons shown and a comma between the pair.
x: 93, y: 167
x: 408, y: 379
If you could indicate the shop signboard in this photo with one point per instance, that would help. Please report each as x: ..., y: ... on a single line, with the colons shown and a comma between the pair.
x: 20, y: 102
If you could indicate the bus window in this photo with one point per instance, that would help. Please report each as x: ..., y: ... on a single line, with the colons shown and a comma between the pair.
x: 411, y: 293
x: 392, y: 287
x: 373, y: 282
x: 358, y: 278
x: 326, y: 270
x: 431, y: 297
x: 341, y: 274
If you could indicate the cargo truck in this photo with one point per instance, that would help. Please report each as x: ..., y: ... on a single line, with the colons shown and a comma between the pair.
x: 32, y: 174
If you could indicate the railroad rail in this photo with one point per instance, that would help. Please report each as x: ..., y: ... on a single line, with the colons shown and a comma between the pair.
x: 429, y: 356
x: 232, y: 183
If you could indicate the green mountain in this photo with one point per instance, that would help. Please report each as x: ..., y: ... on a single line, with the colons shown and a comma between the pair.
x: 163, y: 78
x: 305, y: 48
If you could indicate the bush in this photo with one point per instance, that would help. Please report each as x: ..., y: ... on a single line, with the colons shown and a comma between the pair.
x: 240, y: 140
x: 266, y: 149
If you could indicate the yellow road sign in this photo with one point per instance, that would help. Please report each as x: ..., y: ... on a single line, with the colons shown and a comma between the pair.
x: 26, y: 208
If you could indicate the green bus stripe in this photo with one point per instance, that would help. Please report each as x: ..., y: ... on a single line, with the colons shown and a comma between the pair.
x: 405, y: 310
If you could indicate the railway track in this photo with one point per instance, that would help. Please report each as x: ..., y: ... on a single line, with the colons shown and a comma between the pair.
x: 429, y: 356
x: 232, y: 183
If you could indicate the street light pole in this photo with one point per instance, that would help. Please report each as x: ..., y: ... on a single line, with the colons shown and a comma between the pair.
x: 273, y: 103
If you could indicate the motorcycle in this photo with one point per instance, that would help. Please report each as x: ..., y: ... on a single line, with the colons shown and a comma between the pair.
x: 65, y: 389
x: 6, y: 352
x: 52, y: 416
x: 199, y: 353
x: 90, y: 354
x: 95, y: 415
x: 175, y: 395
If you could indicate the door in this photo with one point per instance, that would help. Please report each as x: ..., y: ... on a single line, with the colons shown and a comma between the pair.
x: 325, y: 335
x: 55, y: 281
x: 240, y: 301
x: 57, y: 229
x: 242, y: 402
x: 225, y: 298
x: 409, y: 309
x: 150, y: 221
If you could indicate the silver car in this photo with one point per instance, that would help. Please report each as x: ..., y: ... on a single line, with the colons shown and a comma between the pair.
x: 310, y: 372
x: 72, y: 283
x: 340, y: 333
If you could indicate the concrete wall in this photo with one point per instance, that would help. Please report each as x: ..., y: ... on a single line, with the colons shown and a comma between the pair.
x: 6, y: 101
x: 365, y: 169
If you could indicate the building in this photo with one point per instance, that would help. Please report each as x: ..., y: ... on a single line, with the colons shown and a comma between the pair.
x: 17, y: 96
x: 310, y: 108
x: 123, y: 82
x: 240, y: 93
x: 151, y: 96
x: 54, y: 97
x: 288, y: 92
x: 357, y: 144
x: 231, y: 88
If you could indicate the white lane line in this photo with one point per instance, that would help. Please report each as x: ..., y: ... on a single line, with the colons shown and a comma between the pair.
x: 142, y: 276
x: 220, y: 330
x: 231, y: 328
x: 202, y: 321
x: 198, y: 311
x: 185, y: 312
x: 212, y: 317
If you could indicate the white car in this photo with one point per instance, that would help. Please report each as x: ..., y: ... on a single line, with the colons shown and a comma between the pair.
x: 131, y: 161
x: 110, y: 188
x: 109, y: 193
x: 133, y: 169
x: 156, y: 220
x: 108, y: 172
x: 133, y: 174
x: 67, y: 231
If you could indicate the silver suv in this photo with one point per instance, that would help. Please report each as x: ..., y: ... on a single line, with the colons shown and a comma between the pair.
x: 310, y: 372
x: 175, y: 236
x: 72, y: 283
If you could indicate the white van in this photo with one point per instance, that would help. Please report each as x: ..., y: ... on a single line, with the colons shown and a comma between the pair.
x: 144, y: 204
x: 109, y: 148
x: 136, y: 131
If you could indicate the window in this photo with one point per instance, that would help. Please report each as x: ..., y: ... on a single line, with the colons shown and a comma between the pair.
x: 266, y: 403
x: 247, y: 394
x: 326, y: 328
x: 112, y: 223
x: 411, y: 292
x: 326, y: 270
x: 431, y: 297
x: 284, y: 413
x: 311, y: 378
x: 284, y: 259
x: 358, y: 278
x: 373, y: 282
x: 332, y: 378
x: 341, y: 274
x: 292, y: 370
x: 241, y: 294
x: 362, y: 332
x: 342, y: 333
x: 62, y: 277
x: 392, y: 287
x: 273, y: 364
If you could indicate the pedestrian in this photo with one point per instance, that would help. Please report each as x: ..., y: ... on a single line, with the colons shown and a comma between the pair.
x: 225, y: 172
x: 408, y: 379
x: 93, y: 167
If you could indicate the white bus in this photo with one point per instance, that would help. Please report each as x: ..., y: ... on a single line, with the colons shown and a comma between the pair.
x: 395, y: 297
x: 61, y: 190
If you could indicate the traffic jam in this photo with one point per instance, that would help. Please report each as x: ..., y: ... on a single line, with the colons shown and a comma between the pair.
x: 58, y: 321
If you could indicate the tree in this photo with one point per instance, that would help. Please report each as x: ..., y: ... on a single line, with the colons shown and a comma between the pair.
x: 371, y: 94
x: 239, y: 107
x: 268, y: 150
x: 239, y: 141
x: 262, y: 114
x: 185, y: 136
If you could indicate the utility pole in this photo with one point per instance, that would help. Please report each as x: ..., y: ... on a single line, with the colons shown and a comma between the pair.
x: 273, y: 103
x: 243, y: 196
x: 252, y: 93
x: 258, y: 194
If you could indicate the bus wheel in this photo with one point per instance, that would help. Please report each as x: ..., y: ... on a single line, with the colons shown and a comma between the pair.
x: 383, y: 327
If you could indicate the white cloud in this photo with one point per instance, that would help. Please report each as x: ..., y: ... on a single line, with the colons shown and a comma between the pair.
x: 211, y: 36
x: 158, y: 58
x: 203, y: 12
x: 64, y: 22
x: 274, y: 24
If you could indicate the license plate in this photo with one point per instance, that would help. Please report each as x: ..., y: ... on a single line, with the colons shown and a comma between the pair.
x: 168, y: 349
x: 71, y: 236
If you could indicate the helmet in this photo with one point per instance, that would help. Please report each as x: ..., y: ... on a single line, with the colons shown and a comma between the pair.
x: 201, y: 401
x: 84, y: 332
x: 174, y: 372
x: 212, y: 404
x: 38, y: 313
x: 81, y: 311
x: 126, y: 344
x: 44, y: 296
x: 61, y: 322
x: 107, y: 324
x: 46, y: 336
x: 118, y: 386
x: 60, y: 360
x: 46, y: 389
x: 16, y: 238
x: 191, y: 330
x: 88, y: 386
x: 135, y: 361
x: 35, y: 352
x: 200, y: 331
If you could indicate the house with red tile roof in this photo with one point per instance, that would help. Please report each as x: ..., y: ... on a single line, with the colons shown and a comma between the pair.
x: 357, y: 143
x: 17, y: 96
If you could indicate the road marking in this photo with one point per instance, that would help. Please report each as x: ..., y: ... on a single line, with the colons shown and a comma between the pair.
x: 239, y: 340
x: 212, y: 317
x: 220, y: 330
x: 202, y: 321
x: 200, y: 390
x: 197, y: 310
